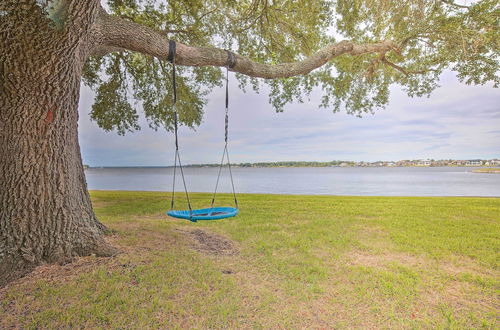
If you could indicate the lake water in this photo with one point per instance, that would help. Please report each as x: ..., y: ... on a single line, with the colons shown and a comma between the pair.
x: 372, y: 181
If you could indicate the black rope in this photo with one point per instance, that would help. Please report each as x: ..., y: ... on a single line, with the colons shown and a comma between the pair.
x: 232, y: 63
x: 226, y: 119
x: 231, y: 59
x: 171, y: 59
x: 175, y: 107
x: 226, y: 124
x: 171, y: 51
x: 231, y: 175
x: 173, y: 183
x: 218, y: 176
x: 185, y: 188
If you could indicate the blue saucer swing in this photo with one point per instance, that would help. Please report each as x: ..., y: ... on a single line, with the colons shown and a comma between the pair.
x: 212, y: 213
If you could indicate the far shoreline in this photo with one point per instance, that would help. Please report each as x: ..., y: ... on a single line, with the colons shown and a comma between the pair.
x: 477, y: 169
x: 487, y: 170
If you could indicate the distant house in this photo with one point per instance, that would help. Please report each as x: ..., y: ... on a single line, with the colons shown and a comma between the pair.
x: 426, y: 162
x: 474, y: 162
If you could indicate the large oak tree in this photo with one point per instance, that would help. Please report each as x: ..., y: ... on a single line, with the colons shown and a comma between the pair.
x: 352, y: 50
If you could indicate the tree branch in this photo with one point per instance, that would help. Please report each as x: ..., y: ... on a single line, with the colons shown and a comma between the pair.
x: 116, y: 33
x: 104, y: 50
x: 403, y: 70
x: 395, y: 66
x: 452, y: 3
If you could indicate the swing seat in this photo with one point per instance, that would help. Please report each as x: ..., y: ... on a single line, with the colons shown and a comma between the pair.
x: 214, y: 213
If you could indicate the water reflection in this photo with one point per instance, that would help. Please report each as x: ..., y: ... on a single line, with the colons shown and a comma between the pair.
x: 378, y: 181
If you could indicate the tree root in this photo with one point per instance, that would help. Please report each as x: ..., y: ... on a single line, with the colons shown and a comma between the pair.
x: 104, y: 249
x: 14, y: 267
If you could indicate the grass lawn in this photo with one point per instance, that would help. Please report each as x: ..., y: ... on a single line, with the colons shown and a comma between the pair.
x: 284, y: 262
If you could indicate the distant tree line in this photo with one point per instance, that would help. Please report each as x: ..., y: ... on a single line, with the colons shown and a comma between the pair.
x: 282, y: 164
x: 346, y: 163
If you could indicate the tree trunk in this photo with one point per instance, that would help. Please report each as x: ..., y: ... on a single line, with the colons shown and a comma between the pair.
x: 45, y: 209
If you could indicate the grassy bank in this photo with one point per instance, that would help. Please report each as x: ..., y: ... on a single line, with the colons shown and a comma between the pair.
x: 285, y: 261
x: 487, y: 170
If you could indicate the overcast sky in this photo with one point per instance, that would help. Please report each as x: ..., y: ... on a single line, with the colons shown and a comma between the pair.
x: 457, y: 121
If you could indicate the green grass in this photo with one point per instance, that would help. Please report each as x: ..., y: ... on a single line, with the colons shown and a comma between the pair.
x: 303, y: 261
x: 487, y: 170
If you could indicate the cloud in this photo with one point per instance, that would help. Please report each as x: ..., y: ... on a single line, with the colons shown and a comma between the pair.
x: 457, y: 121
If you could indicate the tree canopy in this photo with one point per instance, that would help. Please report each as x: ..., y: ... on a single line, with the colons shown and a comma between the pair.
x: 422, y: 38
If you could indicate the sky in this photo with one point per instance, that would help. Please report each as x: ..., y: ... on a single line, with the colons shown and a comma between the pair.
x: 456, y: 122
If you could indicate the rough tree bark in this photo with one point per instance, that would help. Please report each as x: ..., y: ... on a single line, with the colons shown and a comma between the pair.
x: 45, y: 210
x: 113, y: 33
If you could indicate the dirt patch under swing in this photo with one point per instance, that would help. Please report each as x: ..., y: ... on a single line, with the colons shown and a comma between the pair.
x: 210, y: 243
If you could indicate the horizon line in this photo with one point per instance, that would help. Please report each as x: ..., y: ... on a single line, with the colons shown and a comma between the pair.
x: 299, y: 161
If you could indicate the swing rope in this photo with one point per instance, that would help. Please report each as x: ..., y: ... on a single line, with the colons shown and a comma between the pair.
x: 171, y: 59
x: 231, y: 62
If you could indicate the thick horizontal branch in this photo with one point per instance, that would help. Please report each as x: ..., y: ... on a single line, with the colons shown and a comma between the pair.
x: 104, y: 50
x: 117, y: 33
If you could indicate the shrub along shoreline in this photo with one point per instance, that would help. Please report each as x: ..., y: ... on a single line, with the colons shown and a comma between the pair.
x: 487, y: 170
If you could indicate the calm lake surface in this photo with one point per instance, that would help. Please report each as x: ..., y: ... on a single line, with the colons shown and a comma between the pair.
x: 372, y: 181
